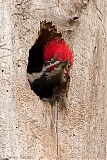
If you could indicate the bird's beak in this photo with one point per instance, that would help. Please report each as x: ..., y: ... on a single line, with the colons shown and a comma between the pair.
x: 63, y: 64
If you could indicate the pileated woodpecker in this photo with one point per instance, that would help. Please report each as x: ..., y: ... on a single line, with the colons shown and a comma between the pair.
x: 49, y: 63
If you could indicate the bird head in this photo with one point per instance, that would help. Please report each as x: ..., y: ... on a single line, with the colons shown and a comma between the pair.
x: 58, y: 58
x: 58, y: 50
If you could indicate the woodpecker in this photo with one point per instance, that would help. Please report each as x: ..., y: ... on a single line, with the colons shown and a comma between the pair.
x: 49, y: 63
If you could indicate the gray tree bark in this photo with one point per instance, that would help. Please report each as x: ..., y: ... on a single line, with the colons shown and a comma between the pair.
x: 30, y: 128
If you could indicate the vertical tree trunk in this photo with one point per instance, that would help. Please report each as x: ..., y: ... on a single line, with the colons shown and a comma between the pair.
x: 31, y: 128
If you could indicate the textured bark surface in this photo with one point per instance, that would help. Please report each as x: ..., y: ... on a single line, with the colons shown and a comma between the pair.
x: 30, y: 128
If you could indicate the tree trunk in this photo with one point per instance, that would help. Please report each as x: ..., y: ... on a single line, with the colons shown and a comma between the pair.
x: 31, y: 128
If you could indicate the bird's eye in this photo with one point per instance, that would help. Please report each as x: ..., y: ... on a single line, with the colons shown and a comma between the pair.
x: 52, y: 60
x: 47, y: 63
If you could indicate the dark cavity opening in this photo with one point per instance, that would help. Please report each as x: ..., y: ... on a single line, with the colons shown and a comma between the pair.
x: 40, y: 85
x: 35, y: 60
x: 35, y: 65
